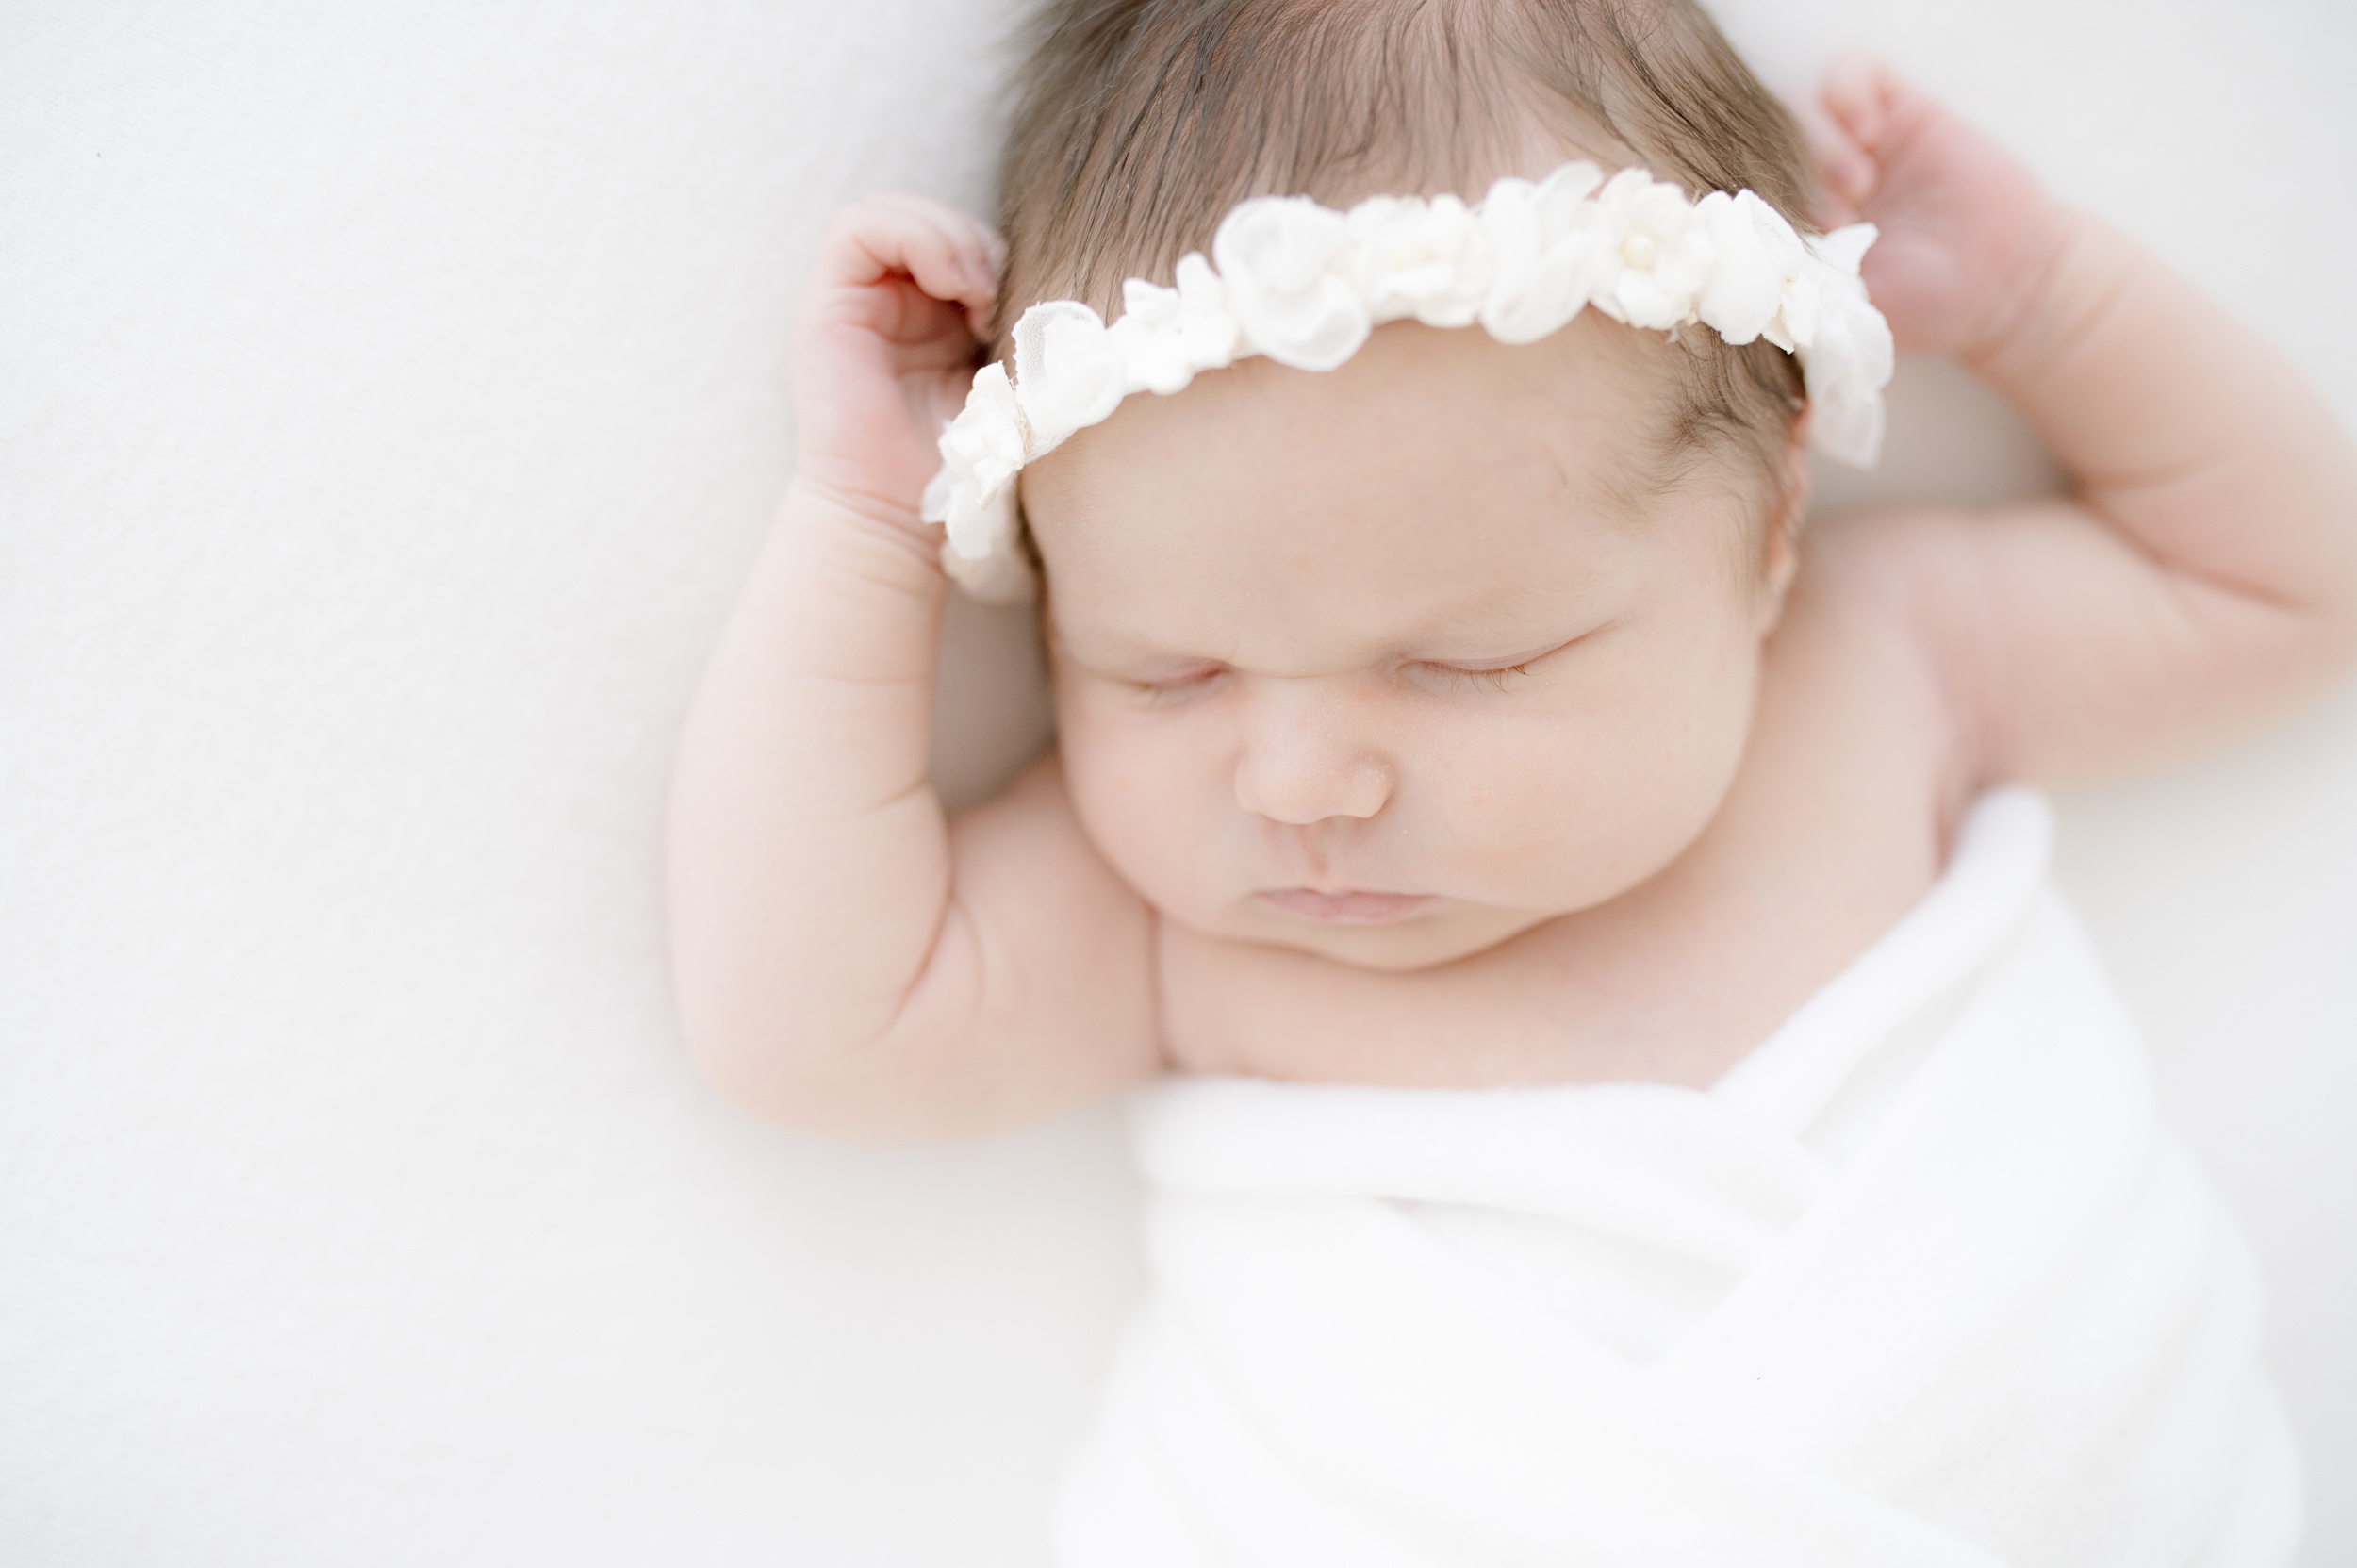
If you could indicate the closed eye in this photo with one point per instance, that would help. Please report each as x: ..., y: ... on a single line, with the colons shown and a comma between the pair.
x: 1180, y: 684
x: 1497, y: 678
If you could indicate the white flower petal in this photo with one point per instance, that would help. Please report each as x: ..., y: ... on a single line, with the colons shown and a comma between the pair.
x: 1847, y: 356
x: 1847, y: 426
x: 1541, y: 238
x: 1207, y: 327
x: 1877, y: 353
x: 1066, y: 373
x: 1425, y: 260
x: 1654, y: 255
x: 1283, y: 260
x: 1745, y: 286
x: 1155, y: 304
x: 1795, y: 326
x: 981, y: 520
x: 981, y: 448
x: 1152, y: 358
x: 991, y: 421
x: 1166, y: 336
x: 1845, y: 248
x: 1847, y: 362
x: 1146, y: 340
x: 1199, y: 286
x: 1385, y: 240
x: 1561, y: 192
x: 1638, y: 299
x: 1778, y: 237
x: 1003, y: 577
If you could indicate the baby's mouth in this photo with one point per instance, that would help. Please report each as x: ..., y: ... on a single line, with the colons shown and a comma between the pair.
x: 1347, y: 906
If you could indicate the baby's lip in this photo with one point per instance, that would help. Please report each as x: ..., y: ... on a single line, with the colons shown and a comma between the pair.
x: 1347, y: 906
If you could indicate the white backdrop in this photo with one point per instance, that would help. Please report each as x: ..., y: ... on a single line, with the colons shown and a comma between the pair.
x: 390, y: 398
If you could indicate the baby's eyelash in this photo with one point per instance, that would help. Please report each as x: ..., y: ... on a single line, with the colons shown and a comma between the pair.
x: 1494, y: 679
x: 1178, y: 687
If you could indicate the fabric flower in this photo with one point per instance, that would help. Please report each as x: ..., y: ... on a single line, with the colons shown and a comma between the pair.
x: 1846, y: 370
x: 999, y: 575
x: 1844, y: 249
x: 1825, y: 260
x: 981, y: 452
x: 1756, y: 255
x: 1166, y: 336
x: 1844, y: 345
x: 1653, y: 253
x: 1428, y: 261
x: 1795, y: 326
x: 1284, y: 260
x: 1067, y: 375
x: 1544, y: 240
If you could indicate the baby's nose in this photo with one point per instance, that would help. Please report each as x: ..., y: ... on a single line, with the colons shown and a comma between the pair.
x: 1299, y: 763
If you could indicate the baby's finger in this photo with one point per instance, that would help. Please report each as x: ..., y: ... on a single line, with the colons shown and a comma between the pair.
x: 977, y: 243
x: 929, y: 257
x: 1850, y: 123
x: 902, y: 237
x: 1856, y: 94
x: 1845, y: 173
x: 977, y: 250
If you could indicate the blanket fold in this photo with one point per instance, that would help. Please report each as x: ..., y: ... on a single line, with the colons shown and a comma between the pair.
x: 1923, y: 1281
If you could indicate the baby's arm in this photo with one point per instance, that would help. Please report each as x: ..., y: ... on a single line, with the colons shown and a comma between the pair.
x: 2204, y: 570
x: 843, y: 957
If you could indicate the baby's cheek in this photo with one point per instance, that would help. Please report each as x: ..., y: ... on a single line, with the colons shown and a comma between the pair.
x: 1524, y: 803
x: 1140, y: 793
x: 1577, y: 802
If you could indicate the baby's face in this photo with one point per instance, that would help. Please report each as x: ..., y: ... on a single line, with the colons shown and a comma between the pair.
x: 1393, y: 662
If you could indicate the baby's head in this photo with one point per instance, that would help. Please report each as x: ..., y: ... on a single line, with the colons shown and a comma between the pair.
x: 1393, y: 661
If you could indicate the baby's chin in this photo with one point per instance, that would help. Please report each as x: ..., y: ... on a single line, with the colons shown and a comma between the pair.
x: 1442, y: 931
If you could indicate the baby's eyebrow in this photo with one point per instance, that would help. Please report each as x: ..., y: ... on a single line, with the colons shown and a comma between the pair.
x: 1465, y: 646
x: 1109, y: 648
x: 1523, y: 626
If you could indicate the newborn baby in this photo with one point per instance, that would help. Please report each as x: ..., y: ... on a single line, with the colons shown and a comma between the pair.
x: 1739, y: 1158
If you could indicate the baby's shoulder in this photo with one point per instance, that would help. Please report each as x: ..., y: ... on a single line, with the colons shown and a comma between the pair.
x: 1870, y: 665
x: 1892, y: 562
x: 1950, y: 612
x: 1913, y: 587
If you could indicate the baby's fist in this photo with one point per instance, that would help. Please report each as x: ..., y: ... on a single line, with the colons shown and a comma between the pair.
x: 887, y: 343
x: 1969, y: 236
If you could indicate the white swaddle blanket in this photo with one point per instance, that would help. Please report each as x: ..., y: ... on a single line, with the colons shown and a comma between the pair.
x: 1922, y: 1280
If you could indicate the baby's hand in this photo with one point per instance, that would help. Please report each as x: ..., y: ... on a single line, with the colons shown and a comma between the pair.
x: 1969, y: 236
x: 886, y: 347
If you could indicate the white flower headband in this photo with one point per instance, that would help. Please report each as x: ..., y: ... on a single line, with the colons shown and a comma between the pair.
x: 1304, y: 284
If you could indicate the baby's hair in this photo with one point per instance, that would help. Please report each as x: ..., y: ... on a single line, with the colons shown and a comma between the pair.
x: 1138, y: 123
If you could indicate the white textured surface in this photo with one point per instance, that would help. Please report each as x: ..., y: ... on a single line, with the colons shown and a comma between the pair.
x: 389, y: 400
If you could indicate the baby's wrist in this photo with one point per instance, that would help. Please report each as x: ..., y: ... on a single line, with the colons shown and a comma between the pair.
x: 2078, y: 265
x: 886, y: 532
